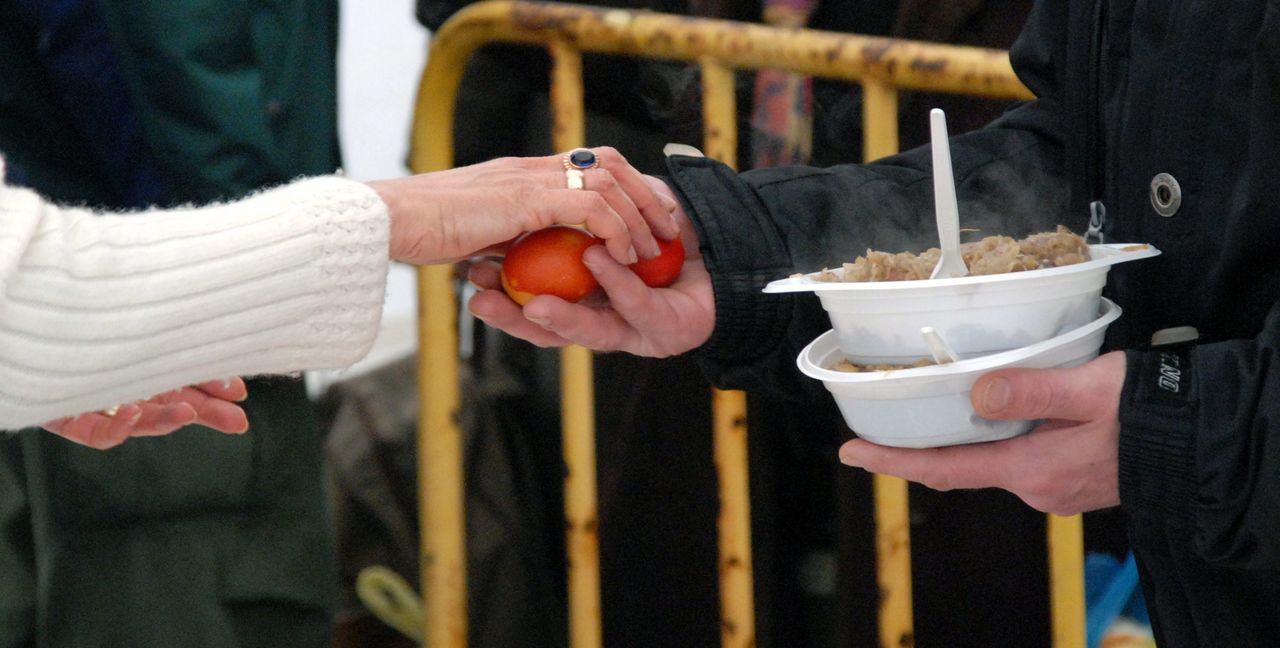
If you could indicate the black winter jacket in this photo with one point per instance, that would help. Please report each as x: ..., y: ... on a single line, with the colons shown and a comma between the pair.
x: 1126, y: 90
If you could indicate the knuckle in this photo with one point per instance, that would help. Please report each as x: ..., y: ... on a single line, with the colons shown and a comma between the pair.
x: 540, y: 215
x: 942, y: 480
x: 1041, y: 490
x: 607, y: 155
x: 605, y: 179
x: 596, y: 202
x: 1037, y: 503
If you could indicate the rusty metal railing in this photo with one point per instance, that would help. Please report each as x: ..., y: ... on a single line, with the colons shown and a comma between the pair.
x: 882, y: 67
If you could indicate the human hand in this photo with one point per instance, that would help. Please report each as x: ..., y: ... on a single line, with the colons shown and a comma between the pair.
x: 211, y: 404
x: 478, y: 210
x: 1066, y: 465
x: 635, y: 318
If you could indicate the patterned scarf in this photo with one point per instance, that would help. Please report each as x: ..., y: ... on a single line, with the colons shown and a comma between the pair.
x: 782, y: 112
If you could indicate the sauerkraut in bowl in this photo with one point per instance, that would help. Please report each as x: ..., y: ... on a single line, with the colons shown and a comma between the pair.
x: 928, y: 406
x: 1019, y: 292
x: 991, y: 255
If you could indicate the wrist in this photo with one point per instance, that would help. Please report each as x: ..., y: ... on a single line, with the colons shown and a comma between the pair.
x: 391, y: 195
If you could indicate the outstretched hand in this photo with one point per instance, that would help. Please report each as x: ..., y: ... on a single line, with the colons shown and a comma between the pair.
x: 1067, y: 465
x: 478, y: 210
x: 630, y: 316
x: 211, y: 404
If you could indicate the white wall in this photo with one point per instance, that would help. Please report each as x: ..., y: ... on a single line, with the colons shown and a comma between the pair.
x: 381, y: 51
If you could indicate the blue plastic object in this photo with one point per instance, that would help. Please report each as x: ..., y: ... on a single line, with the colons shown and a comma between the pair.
x: 1111, y: 589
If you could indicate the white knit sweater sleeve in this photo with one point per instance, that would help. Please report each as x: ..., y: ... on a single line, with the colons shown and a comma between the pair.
x: 100, y: 309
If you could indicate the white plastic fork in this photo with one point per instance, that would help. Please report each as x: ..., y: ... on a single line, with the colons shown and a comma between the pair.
x: 950, y: 262
x: 942, y: 353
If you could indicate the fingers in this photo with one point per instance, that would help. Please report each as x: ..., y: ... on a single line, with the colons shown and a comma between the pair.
x: 109, y: 431
x: 211, y: 412
x: 668, y: 200
x: 633, y: 301
x: 603, y: 182
x: 156, y: 419
x: 634, y: 318
x: 636, y: 211
x: 978, y: 465
x: 86, y: 429
x: 211, y: 404
x: 222, y: 416
x: 100, y: 431
x: 551, y: 321
x: 494, y: 308
x: 1077, y: 394
x: 231, y: 389
x: 449, y: 215
x: 610, y: 329
x: 655, y: 211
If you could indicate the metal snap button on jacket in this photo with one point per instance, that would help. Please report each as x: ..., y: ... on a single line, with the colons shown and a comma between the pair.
x: 1166, y: 194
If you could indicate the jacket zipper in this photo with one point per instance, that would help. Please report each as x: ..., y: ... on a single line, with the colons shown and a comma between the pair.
x: 1094, y: 153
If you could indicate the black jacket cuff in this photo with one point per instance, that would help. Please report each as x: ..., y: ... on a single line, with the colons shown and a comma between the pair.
x: 743, y: 252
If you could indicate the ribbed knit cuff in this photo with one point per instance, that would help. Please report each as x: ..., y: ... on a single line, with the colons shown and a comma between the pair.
x: 1156, y: 441
x: 355, y: 231
x: 743, y: 252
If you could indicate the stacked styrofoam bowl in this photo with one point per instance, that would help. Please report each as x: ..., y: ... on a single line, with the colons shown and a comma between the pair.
x: 1054, y: 317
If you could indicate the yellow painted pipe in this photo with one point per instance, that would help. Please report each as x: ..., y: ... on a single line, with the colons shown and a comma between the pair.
x: 442, y: 559
x: 729, y: 408
x: 892, y: 512
x: 912, y: 65
x: 577, y: 399
x: 443, y: 539
x: 1066, y: 580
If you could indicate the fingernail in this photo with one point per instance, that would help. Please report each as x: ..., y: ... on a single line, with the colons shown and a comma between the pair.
x: 226, y: 383
x: 544, y: 323
x: 849, y: 458
x: 675, y: 224
x: 595, y: 267
x: 631, y: 255
x: 137, y: 415
x: 657, y: 250
x: 997, y: 396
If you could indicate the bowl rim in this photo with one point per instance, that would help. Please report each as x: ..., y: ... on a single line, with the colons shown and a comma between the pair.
x: 1108, y: 312
x: 1103, y: 255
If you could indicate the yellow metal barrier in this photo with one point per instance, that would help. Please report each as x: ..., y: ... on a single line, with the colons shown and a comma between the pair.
x: 883, y: 67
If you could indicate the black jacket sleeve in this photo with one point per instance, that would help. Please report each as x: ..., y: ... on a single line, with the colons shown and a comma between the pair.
x: 767, y: 224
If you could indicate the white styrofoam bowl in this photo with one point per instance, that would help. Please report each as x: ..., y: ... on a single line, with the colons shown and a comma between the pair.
x: 880, y: 322
x: 929, y: 406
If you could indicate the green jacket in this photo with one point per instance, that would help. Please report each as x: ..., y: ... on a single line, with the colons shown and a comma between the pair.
x: 232, y: 96
x: 199, y: 538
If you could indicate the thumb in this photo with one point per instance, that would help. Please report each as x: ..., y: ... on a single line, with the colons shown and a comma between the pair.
x: 1076, y: 394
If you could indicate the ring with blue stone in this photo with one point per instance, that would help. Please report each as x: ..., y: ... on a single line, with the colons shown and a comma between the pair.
x: 580, y: 159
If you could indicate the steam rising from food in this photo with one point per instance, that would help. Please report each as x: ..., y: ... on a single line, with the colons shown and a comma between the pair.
x: 991, y: 255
